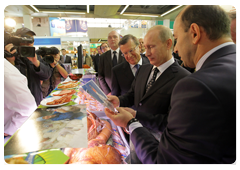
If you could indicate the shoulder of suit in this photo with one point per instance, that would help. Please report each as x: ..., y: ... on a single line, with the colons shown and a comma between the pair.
x: 119, y: 66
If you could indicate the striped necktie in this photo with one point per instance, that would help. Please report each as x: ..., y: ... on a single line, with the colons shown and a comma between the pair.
x: 151, y: 82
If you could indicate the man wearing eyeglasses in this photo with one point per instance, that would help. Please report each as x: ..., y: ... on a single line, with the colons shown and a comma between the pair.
x: 104, y: 47
x: 124, y: 73
x: 108, y: 60
x: 152, y: 87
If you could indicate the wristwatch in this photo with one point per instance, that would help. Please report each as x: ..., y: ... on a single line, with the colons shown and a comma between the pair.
x: 131, y: 121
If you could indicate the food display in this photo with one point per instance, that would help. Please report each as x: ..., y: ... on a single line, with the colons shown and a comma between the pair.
x: 63, y: 99
x: 69, y: 85
x: 65, y: 92
x: 75, y: 76
x: 105, y: 144
x: 97, y: 152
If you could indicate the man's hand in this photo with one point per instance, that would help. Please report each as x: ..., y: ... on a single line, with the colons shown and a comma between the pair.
x: 5, y: 134
x: 121, y: 118
x: 114, y: 100
x: 34, y: 60
x: 130, y: 110
x: 9, y: 47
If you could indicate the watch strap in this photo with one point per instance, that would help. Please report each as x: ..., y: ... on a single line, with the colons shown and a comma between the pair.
x: 131, y: 121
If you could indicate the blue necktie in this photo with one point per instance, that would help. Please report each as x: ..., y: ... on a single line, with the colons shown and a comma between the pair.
x: 137, y: 67
x: 114, y: 61
x: 151, y: 82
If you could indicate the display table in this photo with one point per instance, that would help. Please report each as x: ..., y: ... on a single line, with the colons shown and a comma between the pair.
x: 21, y: 142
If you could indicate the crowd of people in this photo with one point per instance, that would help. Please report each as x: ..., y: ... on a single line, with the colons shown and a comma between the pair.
x: 175, y: 93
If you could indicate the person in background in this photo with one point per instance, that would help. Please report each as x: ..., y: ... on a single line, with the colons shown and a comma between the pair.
x: 141, y: 47
x: 104, y: 47
x: 57, y: 73
x: 19, y: 103
x: 33, y: 68
x: 122, y: 80
x: 86, y: 59
x: 151, y: 90
x: 96, y: 59
x: 201, y: 125
x: 108, y: 60
x: 64, y: 58
x: 232, y: 15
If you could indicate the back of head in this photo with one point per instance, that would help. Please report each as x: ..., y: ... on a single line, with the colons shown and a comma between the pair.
x: 212, y: 18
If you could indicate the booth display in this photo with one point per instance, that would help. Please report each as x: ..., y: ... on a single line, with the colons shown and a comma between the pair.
x: 77, y: 131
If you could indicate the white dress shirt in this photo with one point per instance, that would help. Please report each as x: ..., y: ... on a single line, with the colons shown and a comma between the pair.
x: 19, y: 103
x: 134, y: 69
x: 161, y: 69
x: 117, y: 53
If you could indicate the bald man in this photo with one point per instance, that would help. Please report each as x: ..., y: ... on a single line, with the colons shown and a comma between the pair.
x: 108, y: 60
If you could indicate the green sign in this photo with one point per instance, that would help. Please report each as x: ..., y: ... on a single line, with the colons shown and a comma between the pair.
x: 94, y: 45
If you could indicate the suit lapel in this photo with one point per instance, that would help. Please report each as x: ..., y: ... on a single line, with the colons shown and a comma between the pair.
x: 127, y: 71
x: 230, y: 49
x: 164, y: 78
x: 145, y: 72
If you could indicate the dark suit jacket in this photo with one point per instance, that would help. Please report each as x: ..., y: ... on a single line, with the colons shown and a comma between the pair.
x: 95, y: 62
x: 202, y: 121
x: 152, y: 107
x: 67, y: 59
x: 105, y: 70
x: 122, y: 77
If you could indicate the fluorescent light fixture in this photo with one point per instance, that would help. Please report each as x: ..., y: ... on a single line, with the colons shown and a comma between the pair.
x: 63, y: 12
x: 171, y: 10
x: 34, y: 8
x: 87, y: 8
x: 124, y: 9
x: 141, y: 15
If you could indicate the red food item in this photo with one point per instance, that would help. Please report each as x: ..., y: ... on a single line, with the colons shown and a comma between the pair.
x: 103, y: 136
x: 104, y: 154
x: 65, y: 92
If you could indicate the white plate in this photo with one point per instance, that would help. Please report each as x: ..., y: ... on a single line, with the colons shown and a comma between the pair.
x: 56, y: 92
x: 50, y: 99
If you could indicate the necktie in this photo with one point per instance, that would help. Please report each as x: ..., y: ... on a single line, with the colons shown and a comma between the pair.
x: 150, y: 83
x: 114, y: 61
x: 137, y: 67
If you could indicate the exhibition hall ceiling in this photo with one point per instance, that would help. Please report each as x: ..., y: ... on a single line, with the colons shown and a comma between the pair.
x: 139, y: 12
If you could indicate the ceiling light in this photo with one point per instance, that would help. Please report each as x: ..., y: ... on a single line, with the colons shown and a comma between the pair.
x: 10, y: 22
x: 124, y: 9
x: 63, y: 12
x: 141, y: 15
x: 34, y: 8
x: 87, y: 8
x: 171, y: 10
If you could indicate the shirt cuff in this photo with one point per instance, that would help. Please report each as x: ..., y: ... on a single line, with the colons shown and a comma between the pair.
x: 133, y: 126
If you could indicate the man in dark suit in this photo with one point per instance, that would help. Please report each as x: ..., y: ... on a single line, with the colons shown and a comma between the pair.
x: 65, y: 58
x: 123, y: 74
x: 146, y: 96
x: 96, y: 58
x: 202, y: 121
x: 108, y: 60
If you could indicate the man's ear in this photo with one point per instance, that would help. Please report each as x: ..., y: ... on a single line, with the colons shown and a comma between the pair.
x: 169, y: 43
x: 195, y: 33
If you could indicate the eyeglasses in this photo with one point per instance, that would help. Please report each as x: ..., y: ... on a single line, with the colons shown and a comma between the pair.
x: 131, y: 51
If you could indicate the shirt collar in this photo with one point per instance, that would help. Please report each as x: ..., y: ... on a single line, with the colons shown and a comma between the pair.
x: 164, y: 66
x: 140, y: 63
x: 206, y: 55
x: 117, y: 50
